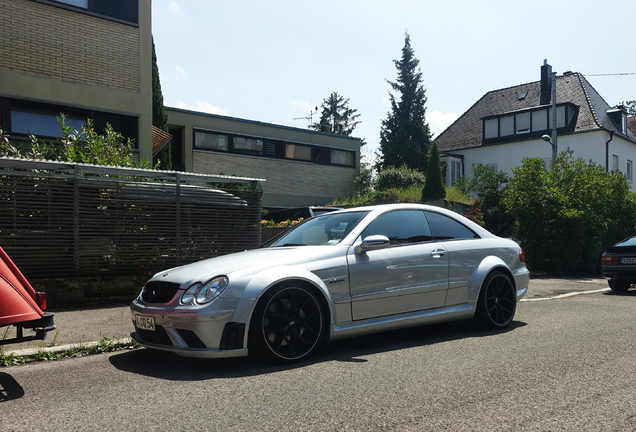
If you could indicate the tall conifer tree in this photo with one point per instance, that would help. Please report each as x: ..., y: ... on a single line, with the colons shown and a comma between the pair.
x: 159, y: 116
x: 434, y: 187
x: 405, y: 137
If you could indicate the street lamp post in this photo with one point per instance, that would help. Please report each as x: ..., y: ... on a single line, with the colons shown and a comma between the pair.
x: 546, y: 138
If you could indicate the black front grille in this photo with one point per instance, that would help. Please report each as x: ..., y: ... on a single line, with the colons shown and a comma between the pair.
x: 158, y: 337
x: 159, y: 292
x: 232, y: 337
x: 190, y: 338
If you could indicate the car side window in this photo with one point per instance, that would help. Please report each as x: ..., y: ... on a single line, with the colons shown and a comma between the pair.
x: 401, y: 227
x: 446, y: 228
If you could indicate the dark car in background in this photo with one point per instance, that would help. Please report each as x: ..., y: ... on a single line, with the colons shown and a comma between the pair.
x: 618, y: 265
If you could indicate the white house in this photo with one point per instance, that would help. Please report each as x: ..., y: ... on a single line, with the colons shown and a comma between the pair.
x: 506, y: 125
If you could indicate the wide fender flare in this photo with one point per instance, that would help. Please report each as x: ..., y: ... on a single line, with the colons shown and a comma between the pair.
x: 487, y: 265
x: 266, y: 279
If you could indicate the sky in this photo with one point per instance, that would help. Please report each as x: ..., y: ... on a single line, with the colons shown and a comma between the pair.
x: 275, y: 61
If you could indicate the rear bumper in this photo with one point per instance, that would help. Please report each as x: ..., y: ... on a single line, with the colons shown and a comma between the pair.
x: 40, y: 326
x: 619, y: 273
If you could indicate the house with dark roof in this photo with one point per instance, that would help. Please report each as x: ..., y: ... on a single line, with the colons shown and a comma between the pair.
x: 506, y: 125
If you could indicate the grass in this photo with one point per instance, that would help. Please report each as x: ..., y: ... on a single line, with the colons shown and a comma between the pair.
x: 104, y: 345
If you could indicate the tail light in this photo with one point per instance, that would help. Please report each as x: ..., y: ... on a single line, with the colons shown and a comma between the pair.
x: 40, y: 299
x: 522, y: 257
x: 609, y: 260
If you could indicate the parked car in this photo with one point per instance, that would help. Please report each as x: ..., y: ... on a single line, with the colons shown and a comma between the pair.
x: 618, y: 265
x: 342, y: 274
x: 20, y: 305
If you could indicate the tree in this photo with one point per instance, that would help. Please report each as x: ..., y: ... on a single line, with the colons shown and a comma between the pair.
x: 405, y: 137
x: 159, y: 117
x: 631, y: 107
x: 434, y: 187
x: 336, y: 116
x: 489, y: 186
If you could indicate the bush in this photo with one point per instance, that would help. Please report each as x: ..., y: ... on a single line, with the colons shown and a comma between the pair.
x: 567, y: 216
x: 397, y: 178
x: 489, y: 186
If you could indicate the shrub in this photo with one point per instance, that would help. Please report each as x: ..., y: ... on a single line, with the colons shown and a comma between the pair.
x: 396, y: 178
x: 567, y: 216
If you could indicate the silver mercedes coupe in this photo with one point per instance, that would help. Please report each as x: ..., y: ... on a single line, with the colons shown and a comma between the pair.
x: 343, y: 274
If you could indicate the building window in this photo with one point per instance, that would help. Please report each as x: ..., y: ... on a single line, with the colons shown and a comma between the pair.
x: 522, y: 123
x: 540, y: 120
x: 210, y: 141
x: 614, y: 163
x: 629, y: 171
x: 535, y: 121
x: 340, y: 157
x: 247, y: 146
x: 41, y: 122
x: 263, y: 147
x: 122, y: 10
x: 455, y: 172
x: 298, y: 152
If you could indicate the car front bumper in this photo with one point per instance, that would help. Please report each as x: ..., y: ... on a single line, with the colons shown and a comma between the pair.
x: 215, y: 331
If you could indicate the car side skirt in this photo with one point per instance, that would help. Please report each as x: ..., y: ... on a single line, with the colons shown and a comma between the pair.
x: 395, y: 322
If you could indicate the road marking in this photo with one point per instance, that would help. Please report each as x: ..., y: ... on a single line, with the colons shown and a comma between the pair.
x: 566, y: 295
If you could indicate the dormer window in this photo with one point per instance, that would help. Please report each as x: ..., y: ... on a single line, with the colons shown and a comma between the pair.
x: 527, y: 122
x: 618, y: 116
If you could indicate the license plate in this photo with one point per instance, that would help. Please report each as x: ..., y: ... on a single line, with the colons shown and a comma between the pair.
x: 145, y: 322
x: 628, y: 260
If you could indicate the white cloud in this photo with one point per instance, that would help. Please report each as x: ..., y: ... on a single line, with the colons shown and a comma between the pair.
x: 180, y: 69
x: 205, y: 107
x: 439, y: 121
x: 174, y: 6
x: 302, y: 105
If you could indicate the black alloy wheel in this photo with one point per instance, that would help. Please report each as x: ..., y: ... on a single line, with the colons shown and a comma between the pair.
x: 497, y: 301
x: 288, y: 324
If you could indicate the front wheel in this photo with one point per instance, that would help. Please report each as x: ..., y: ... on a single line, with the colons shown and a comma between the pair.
x: 497, y: 301
x: 287, y: 324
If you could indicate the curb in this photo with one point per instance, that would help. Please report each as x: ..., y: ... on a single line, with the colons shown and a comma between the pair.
x: 33, y: 352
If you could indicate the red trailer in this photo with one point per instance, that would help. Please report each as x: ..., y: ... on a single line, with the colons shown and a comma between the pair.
x: 20, y: 305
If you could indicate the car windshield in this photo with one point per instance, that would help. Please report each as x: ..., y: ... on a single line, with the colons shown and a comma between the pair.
x: 325, y: 230
x: 631, y: 241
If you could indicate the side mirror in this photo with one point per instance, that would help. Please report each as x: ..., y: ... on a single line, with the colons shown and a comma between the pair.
x: 373, y: 242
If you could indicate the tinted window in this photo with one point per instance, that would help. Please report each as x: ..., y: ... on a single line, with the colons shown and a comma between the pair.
x: 406, y: 226
x: 445, y: 228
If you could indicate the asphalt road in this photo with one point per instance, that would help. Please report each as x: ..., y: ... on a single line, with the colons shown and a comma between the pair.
x: 565, y: 364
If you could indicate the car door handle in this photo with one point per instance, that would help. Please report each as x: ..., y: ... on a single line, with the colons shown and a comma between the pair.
x: 438, y: 253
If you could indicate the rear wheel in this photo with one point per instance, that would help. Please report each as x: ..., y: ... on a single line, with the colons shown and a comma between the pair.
x: 287, y: 324
x: 497, y: 301
x: 618, y: 285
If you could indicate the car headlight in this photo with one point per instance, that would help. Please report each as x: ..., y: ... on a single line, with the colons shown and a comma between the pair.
x: 205, y: 293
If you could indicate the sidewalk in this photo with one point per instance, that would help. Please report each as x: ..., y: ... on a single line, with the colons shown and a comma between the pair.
x: 84, y: 326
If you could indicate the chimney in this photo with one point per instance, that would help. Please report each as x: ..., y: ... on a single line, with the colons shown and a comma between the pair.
x: 546, y: 83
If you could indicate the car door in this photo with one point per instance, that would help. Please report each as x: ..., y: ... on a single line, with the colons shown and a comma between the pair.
x: 410, y: 274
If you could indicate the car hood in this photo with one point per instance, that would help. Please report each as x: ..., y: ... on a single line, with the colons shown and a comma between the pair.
x: 252, y: 260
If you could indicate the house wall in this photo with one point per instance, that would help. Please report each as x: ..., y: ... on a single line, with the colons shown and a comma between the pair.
x: 56, y: 55
x: 588, y: 146
x: 287, y: 182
